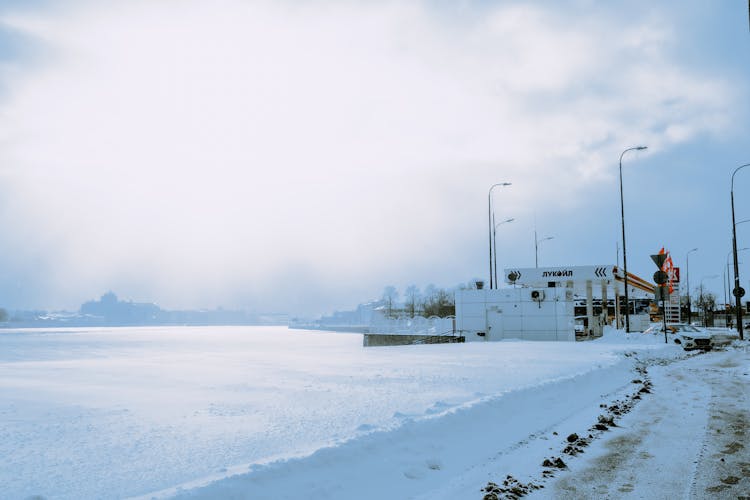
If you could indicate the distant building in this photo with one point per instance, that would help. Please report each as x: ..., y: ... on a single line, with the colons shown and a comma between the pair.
x: 113, y: 311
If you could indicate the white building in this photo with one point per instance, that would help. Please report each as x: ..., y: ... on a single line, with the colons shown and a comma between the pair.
x: 517, y: 313
x: 540, y: 305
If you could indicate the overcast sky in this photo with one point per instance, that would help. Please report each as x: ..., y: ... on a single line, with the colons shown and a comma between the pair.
x: 300, y: 156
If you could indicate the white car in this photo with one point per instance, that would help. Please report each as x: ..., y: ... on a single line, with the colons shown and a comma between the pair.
x: 688, y: 336
x: 691, y: 337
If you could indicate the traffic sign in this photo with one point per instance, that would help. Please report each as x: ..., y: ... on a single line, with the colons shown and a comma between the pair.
x: 660, y: 277
x: 659, y: 259
x: 738, y: 292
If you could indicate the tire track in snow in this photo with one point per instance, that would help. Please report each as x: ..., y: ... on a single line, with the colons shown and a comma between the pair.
x: 724, y: 467
x: 691, y: 493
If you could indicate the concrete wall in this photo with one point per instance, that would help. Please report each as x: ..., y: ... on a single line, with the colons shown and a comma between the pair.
x: 377, y: 339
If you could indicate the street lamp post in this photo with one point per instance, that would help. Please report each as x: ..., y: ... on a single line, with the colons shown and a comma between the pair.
x: 687, y: 262
x: 738, y: 299
x: 728, y: 291
x: 624, y: 251
x: 494, y: 241
x: 727, y: 275
x: 489, y: 220
x: 536, y: 247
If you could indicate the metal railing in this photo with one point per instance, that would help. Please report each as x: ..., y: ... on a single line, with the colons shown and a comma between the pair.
x: 408, y: 325
x: 448, y: 337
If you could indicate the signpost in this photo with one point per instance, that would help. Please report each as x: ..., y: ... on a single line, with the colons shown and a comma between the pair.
x: 660, y: 277
x: 661, y: 292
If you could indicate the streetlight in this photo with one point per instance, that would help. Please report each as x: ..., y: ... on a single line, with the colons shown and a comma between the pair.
x: 536, y: 247
x: 687, y: 261
x: 624, y: 252
x: 738, y: 301
x: 728, y: 290
x: 703, y: 299
x: 494, y: 241
x: 489, y: 220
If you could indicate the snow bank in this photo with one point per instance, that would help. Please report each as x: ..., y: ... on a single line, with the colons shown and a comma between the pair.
x: 425, y: 453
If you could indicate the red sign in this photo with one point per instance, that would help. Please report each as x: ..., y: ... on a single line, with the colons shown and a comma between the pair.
x: 674, y: 276
x: 668, y: 267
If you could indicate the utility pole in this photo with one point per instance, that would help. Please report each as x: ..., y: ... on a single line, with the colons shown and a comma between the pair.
x: 489, y: 221
x: 624, y: 252
x: 738, y: 291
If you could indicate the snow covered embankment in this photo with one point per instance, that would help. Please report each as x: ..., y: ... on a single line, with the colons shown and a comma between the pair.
x: 448, y: 453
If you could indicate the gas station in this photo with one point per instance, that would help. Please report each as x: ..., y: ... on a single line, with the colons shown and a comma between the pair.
x: 555, y: 303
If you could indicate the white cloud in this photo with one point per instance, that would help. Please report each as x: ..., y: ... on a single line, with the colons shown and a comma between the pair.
x: 205, y: 153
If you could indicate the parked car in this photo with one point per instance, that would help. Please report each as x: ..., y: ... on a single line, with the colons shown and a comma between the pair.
x: 688, y: 336
x: 691, y: 337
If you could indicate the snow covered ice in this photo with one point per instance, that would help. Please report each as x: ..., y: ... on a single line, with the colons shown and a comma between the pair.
x: 264, y: 412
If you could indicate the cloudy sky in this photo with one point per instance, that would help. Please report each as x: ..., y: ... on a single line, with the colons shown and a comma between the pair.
x: 300, y: 156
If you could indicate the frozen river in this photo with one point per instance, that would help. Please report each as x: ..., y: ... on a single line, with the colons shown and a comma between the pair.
x: 119, y: 412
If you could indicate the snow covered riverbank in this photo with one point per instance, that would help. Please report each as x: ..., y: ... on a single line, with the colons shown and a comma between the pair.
x: 269, y: 413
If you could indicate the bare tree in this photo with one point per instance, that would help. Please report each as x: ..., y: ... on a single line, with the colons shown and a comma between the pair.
x: 439, y: 302
x: 390, y: 296
x: 3, y: 314
x: 706, y: 303
x: 411, y: 295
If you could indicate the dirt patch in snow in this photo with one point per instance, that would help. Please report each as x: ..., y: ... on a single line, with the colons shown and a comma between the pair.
x: 510, y: 488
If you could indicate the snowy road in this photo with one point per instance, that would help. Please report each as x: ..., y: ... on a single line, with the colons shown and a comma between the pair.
x: 686, y: 440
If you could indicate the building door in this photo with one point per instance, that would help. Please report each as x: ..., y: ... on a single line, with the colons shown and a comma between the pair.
x: 494, y: 325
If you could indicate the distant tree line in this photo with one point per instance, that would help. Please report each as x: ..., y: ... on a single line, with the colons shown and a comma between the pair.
x: 3, y: 315
x: 433, y: 301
